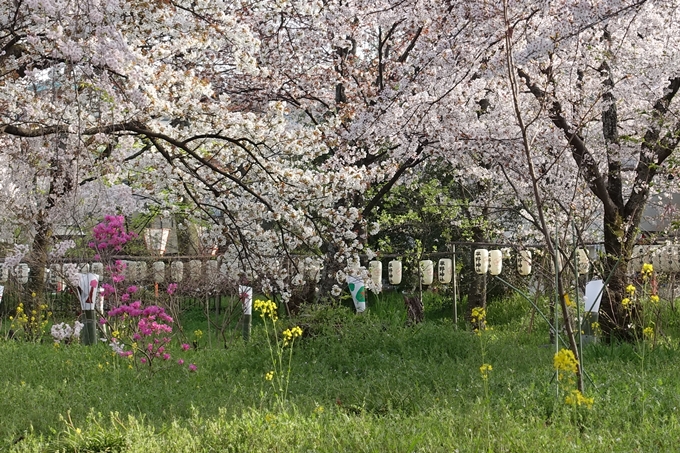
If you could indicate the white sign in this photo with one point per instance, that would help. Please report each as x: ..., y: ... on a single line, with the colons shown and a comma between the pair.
x: 593, y: 296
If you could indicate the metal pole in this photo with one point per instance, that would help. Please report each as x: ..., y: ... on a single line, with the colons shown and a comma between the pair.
x: 89, y: 333
x: 578, y: 309
x: 455, y: 290
x: 555, y: 311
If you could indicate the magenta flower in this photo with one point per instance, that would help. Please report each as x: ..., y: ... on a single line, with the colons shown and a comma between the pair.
x: 185, y: 347
x: 143, y: 360
x: 192, y: 367
x: 166, y: 356
x: 172, y: 287
x: 102, y: 321
x: 180, y: 362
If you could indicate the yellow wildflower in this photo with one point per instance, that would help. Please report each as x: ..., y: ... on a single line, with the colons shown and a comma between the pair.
x: 625, y: 302
x: 564, y: 360
x: 267, y: 308
x: 654, y: 299
x: 478, y: 314
x: 630, y: 289
x: 269, y: 376
x: 648, y: 332
x: 576, y: 398
x: 484, y: 370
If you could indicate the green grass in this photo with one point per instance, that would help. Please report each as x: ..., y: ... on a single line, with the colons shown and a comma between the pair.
x: 358, y: 383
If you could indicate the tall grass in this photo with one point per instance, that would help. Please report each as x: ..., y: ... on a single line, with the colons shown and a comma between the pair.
x: 358, y: 383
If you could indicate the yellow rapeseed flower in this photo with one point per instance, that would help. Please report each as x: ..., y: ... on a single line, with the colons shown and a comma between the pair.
x: 654, y: 299
x: 576, y: 398
x: 625, y: 302
x: 267, y: 308
x: 648, y: 332
x: 630, y: 289
x: 484, y: 370
x: 478, y: 314
x: 565, y: 361
x: 269, y: 376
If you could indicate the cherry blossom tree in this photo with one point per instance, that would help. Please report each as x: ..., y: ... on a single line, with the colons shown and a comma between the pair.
x: 595, y: 82
x: 144, y: 95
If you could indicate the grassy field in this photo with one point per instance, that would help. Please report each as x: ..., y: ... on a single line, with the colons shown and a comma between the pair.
x: 357, y: 383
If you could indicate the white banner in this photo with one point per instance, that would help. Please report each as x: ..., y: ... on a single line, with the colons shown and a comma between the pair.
x: 87, y: 290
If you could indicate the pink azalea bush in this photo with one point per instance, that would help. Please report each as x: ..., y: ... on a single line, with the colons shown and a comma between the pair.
x: 141, y: 333
x: 110, y: 235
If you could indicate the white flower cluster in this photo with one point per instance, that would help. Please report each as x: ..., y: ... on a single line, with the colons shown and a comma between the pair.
x: 64, y: 332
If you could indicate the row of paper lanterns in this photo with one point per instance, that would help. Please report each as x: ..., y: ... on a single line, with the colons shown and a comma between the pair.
x: 485, y: 261
x: 134, y: 270
x: 664, y: 258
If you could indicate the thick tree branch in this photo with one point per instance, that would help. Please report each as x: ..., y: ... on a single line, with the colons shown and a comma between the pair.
x: 585, y: 161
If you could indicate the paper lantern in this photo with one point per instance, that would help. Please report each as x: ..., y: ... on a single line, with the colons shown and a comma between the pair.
x: 21, y: 271
x: 97, y: 268
x: 129, y: 271
x: 481, y: 258
x: 195, y: 267
x: 582, y: 262
x: 55, y: 274
x: 394, y: 272
x: 445, y: 270
x: 177, y: 271
x: 559, y: 263
x: 159, y: 272
x: 675, y: 259
x: 211, y: 270
x: 495, y: 262
x: 524, y: 262
x: 636, y: 258
x: 375, y: 269
x: 426, y: 272
x: 141, y: 270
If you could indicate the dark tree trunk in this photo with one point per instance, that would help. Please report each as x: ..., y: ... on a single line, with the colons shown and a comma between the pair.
x: 414, y: 308
x: 614, y: 320
x: 37, y: 262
